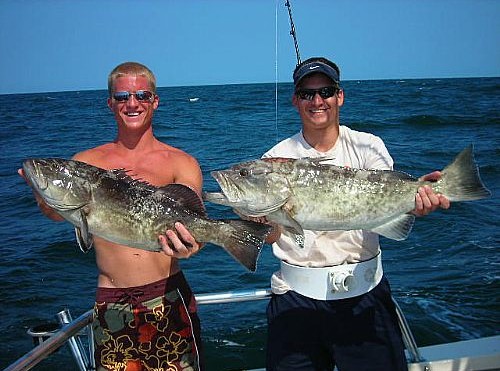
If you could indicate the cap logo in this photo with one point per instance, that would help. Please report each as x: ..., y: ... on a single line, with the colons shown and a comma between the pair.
x: 315, y: 66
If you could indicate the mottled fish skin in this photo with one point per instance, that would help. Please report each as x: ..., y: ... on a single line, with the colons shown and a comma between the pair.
x: 312, y: 194
x: 112, y: 205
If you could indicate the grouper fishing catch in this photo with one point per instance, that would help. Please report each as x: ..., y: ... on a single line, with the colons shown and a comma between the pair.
x: 112, y: 205
x: 311, y: 194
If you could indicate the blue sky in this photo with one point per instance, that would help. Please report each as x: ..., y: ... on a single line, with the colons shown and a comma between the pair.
x: 57, y: 45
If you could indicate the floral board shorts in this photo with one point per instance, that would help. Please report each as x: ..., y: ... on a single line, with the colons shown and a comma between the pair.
x: 149, y: 327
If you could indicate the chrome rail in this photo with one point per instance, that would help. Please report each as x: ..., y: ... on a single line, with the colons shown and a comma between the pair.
x: 69, y: 332
x: 233, y: 296
x: 408, y: 339
x: 81, y: 355
x: 42, y: 351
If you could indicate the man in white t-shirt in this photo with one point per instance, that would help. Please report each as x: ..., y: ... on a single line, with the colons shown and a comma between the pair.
x: 331, y: 304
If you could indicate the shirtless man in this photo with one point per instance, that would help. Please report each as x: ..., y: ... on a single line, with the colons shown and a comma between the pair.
x: 145, y: 313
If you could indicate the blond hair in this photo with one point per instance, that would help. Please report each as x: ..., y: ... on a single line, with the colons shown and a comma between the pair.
x: 131, y: 68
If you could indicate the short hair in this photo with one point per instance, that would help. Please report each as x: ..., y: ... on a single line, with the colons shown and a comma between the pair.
x: 131, y: 68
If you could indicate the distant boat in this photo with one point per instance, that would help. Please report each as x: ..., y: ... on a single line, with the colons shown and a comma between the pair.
x: 194, y: 99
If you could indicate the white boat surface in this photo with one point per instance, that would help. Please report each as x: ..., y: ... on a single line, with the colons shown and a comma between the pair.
x: 476, y: 354
x: 468, y: 355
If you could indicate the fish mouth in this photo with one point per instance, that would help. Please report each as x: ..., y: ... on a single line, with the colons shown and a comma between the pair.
x: 47, y: 188
x: 229, y: 187
x: 33, y: 175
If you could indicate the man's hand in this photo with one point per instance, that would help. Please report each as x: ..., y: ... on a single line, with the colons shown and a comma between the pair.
x: 426, y: 201
x: 179, y: 244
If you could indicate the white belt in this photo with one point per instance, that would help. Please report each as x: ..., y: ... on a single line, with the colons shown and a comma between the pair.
x: 332, y: 283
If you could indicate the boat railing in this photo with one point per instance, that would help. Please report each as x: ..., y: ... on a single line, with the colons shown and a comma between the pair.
x: 72, y: 331
x: 54, y: 342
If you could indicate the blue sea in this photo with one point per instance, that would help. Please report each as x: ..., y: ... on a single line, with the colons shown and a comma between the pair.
x: 445, y: 276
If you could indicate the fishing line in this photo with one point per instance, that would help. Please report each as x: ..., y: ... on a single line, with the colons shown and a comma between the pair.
x: 276, y: 73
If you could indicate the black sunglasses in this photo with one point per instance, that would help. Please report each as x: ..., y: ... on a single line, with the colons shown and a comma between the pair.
x: 308, y: 94
x: 140, y: 95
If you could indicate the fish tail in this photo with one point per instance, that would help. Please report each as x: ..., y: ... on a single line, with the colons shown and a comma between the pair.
x: 245, y: 241
x: 460, y: 180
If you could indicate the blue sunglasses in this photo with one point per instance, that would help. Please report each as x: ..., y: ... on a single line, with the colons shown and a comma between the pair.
x: 140, y: 95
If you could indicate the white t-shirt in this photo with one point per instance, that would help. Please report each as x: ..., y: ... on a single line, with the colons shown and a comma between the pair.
x: 327, y: 248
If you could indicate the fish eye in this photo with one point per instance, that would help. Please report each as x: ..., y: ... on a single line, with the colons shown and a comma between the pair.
x: 244, y: 172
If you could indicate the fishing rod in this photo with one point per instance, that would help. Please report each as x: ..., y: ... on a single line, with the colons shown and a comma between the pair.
x: 297, y: 53
x: 292, y: 31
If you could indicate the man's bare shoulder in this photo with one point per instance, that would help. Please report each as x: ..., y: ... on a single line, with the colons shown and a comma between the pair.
x: 97, y: 156
x: 181, y: 166
x: 174, y: 155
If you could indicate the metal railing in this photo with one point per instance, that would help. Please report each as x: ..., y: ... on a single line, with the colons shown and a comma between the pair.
x: 71, y: 332
x: 49, y: 346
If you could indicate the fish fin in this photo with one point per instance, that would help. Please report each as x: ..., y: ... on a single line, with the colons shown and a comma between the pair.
x: 291, y: 227
x: 184, y: 196
x: 85, y: 244
x: 460, y: 180
x: 124, y: 177
x: 297, y: 237
x: 84, y: 239
x: 396, y: 229
x: 278, y: 159
x: 317, y: 161
x: 246, y: 241
x: 387, y: 175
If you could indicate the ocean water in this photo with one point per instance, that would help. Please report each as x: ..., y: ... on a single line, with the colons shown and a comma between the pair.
x: 445, y: 276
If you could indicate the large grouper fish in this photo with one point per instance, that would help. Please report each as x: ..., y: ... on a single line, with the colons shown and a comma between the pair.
x: 311, y: 194
x: 112, y: 205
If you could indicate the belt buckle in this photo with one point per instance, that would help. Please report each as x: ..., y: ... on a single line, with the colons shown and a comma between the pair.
x: 341, y: 279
